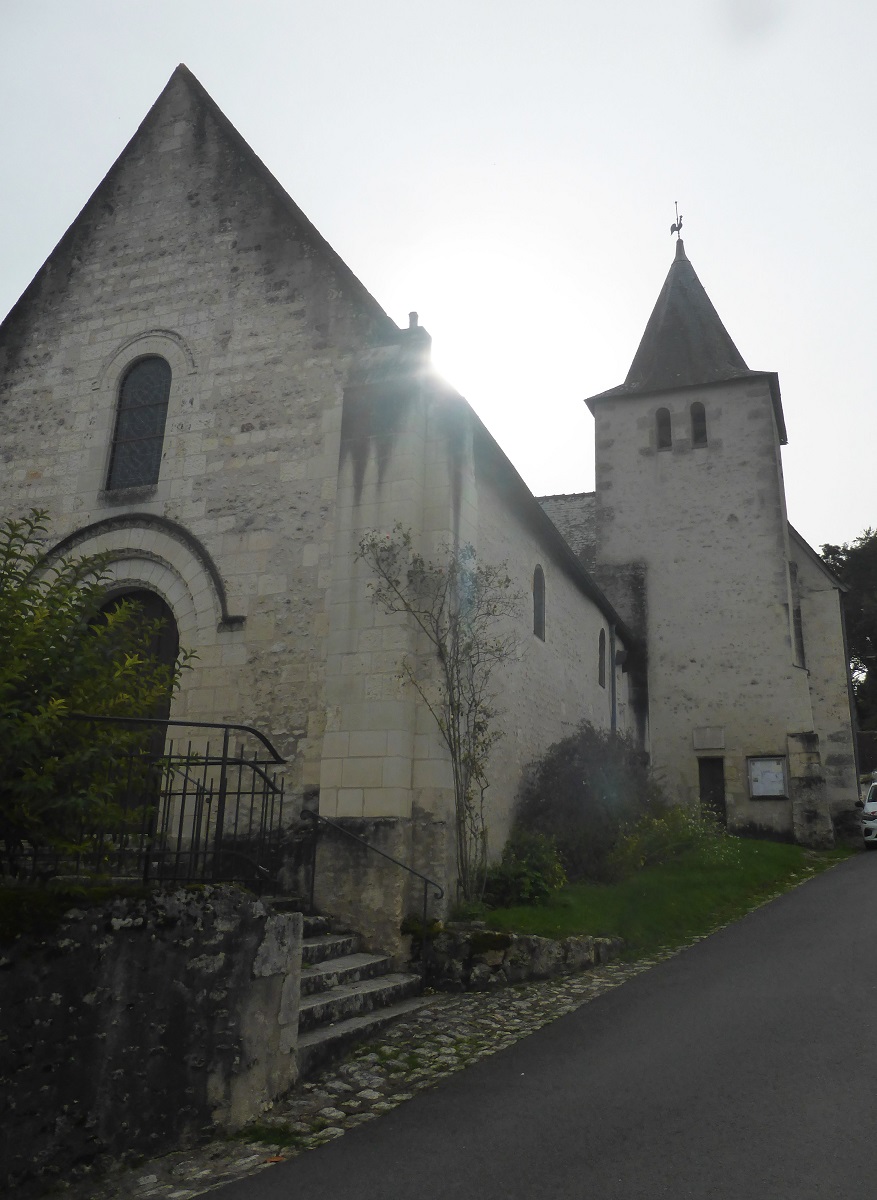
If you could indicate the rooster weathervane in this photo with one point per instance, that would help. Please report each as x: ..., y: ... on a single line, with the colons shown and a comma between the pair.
x: 677, y: 228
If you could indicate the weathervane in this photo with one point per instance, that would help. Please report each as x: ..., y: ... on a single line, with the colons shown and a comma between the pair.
x: 677, y: 228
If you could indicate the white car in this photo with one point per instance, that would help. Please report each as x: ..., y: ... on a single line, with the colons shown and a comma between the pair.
x: 869, y: 817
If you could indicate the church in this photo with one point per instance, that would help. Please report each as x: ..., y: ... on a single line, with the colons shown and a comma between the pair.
x: 196, y: 384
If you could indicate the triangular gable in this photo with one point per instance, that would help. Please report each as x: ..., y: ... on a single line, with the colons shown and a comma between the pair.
x: 63, y: 259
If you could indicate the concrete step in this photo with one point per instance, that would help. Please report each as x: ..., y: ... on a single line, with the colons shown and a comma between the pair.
x: 321, y: 1045
x: 327, y: 945
x: 355, y: 999
x: 284, y: 904
x: 313, y: 926
x: 348, y: 969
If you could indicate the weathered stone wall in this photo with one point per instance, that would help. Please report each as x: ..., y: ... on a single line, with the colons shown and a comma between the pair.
x: 414, y: 454
x: 550, y: 686
x: 723, y: 676
x: 142, y: 1023
x: 469, y: 958
x: 190, y: 250
x: 825, y: 658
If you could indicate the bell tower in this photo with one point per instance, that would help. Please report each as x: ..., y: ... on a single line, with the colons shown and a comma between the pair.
x: 689, y: 488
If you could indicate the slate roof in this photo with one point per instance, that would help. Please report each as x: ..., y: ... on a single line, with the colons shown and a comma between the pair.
x: 685, y: 344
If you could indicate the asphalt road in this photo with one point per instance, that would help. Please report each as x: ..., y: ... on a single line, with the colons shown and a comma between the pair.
x: 745, y: 1067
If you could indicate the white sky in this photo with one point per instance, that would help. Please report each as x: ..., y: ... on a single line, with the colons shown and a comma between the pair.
x: 508, y: 169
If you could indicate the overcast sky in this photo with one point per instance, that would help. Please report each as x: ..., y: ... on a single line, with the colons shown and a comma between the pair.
x: 508, y: 168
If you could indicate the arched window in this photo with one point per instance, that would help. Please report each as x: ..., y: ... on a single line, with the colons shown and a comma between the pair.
x: 539, y: 603
x: 140, y: 420
x: 662, y: 423
x: 601, y: 659
x: 698, y: 424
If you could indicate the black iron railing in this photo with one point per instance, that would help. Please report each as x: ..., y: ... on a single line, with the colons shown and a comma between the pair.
x: 191, y: 801
x: 428, y: 883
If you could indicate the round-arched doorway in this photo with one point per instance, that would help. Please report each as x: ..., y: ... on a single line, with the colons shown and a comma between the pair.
x: 165, y: 640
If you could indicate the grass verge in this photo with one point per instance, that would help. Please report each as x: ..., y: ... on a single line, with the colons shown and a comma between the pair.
x: 673, y: 903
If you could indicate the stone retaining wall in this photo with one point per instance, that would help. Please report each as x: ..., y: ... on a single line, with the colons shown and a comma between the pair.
x: 140, y: 1024
x: 473, y: 958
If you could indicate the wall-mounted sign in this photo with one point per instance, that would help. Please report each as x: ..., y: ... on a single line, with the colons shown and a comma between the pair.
x: 767, y: 777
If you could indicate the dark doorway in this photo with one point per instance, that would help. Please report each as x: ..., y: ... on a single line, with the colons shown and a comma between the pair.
x: 165, y: 643
x: 712, y: 787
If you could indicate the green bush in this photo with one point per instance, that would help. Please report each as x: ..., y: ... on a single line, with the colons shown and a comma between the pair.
x: 529, y: 871
x: 662, y: 835
x: 583, y: 792
x: 61, y: 779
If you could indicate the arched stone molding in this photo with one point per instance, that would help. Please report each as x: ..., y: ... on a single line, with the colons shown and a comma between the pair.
x: 151, y: 551
x: 173, y: 348
x: 164, y: 342
x: 148, y: 572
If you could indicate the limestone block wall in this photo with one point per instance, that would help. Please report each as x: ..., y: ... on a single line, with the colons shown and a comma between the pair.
x: 723, y: 678
x: 141, y: 1023
x: 369, y: 746
x: 190, y: 250
x: 551, y: 685
x: 414, y: 455
x: 826, y: 662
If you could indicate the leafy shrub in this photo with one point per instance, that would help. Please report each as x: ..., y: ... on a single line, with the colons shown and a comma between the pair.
x: 658, y: 836
x: 582, y: 793
x: 529, y: 871
x: 61, y: 779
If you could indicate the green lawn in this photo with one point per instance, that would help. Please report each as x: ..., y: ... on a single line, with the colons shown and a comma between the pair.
x: 673, y: 903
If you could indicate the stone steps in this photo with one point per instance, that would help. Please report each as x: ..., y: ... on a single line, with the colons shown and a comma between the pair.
x: 320, y: 1045
x: 353, y: 1000
x: 346, y: 993
x: 325, y: 946
x: 347, y: 969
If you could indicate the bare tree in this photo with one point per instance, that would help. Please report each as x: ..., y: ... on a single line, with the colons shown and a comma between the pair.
x: 462, y: 607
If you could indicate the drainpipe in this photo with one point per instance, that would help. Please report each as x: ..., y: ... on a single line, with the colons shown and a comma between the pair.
x: 613, y: 699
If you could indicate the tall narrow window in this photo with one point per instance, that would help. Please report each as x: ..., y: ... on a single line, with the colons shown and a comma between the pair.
x: 797, y: 619
x: 539, y: 603
x: 665, y: 435
x: 698, y: 424
x: 601, y: 659
x: 140, y: 420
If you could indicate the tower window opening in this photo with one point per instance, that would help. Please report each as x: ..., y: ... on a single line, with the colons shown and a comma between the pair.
x: 601, y: 659
x: 698, y: 424
x: 664, y: 431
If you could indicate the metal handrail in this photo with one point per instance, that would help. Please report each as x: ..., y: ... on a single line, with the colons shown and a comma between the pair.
x: 156, y: 835
x: 275, y: 755
x: 427, y: 882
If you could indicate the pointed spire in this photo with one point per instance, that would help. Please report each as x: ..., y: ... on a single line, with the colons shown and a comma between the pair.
x: 686, y: 345
x: 685, y: 342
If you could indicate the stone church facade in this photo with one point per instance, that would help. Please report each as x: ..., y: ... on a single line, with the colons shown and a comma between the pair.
x: 197, y: 384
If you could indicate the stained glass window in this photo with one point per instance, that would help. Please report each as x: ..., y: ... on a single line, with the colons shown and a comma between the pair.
x: 140, y: 421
